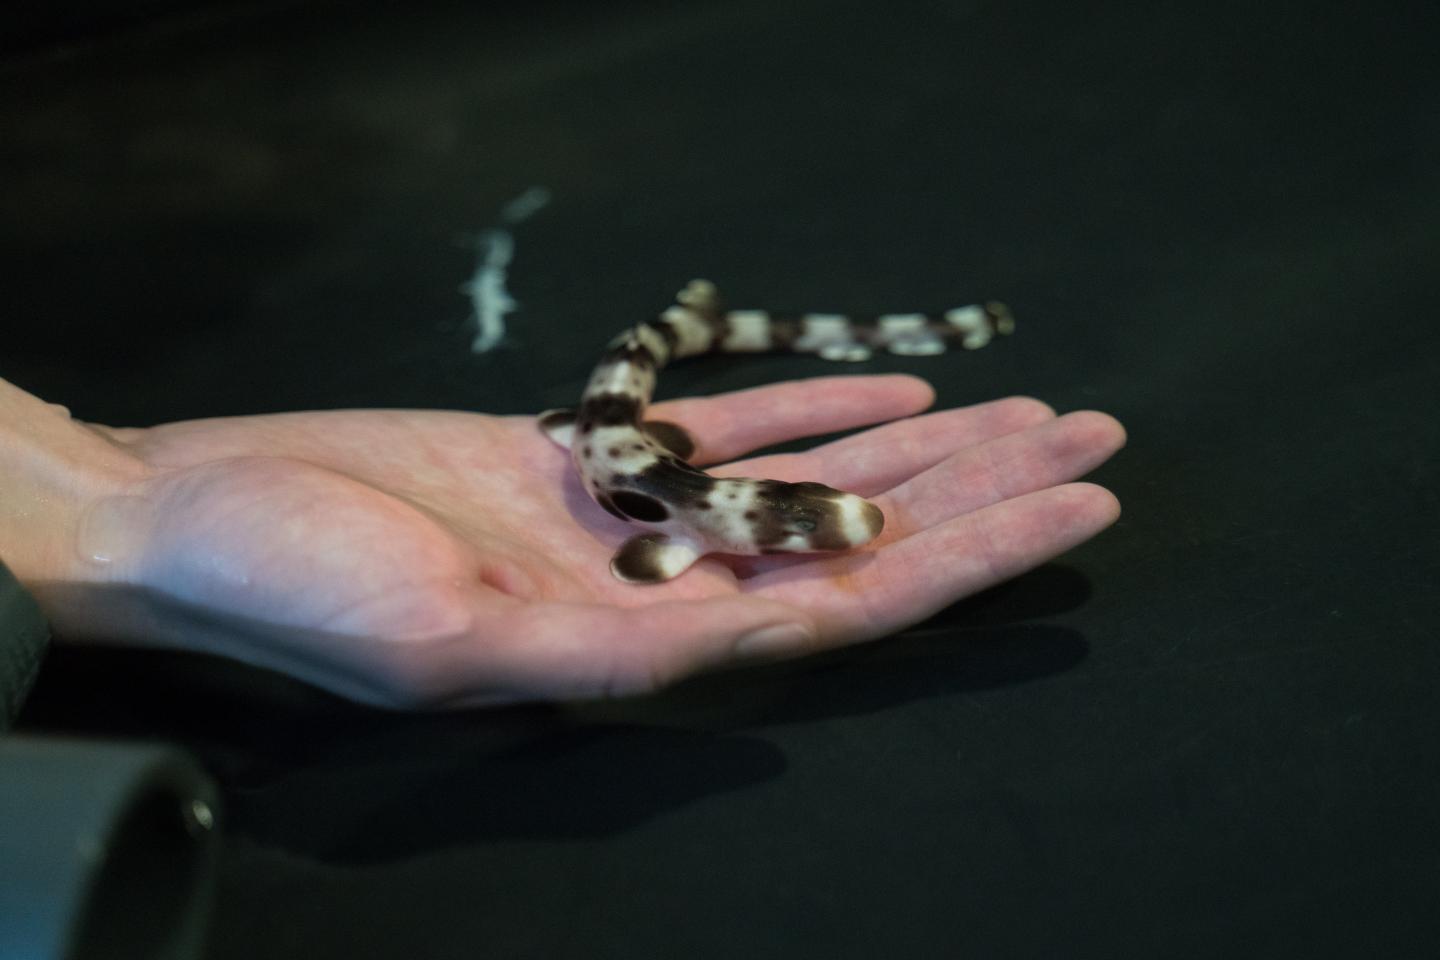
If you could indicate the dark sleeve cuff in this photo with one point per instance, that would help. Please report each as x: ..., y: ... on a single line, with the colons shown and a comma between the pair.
x: 23, y: 638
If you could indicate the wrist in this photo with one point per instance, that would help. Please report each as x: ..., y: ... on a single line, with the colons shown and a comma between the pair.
x: 52, y: 471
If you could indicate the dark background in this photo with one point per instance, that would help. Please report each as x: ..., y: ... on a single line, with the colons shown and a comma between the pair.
x: 1211, y: 732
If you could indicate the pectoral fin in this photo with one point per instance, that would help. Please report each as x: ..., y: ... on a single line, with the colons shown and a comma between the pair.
x: 653, y: 558
x: 671, y: 436
x: 558, y: 425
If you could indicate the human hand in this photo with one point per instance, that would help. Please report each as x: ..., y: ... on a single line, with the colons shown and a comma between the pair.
x: 439, y: 559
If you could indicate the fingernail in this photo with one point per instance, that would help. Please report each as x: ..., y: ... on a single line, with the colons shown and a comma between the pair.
x: 777, y: 640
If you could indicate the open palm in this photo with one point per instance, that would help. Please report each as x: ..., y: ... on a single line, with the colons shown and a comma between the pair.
x: 440, y: 558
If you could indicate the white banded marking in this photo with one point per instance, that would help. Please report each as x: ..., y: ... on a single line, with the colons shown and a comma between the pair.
x: 831, y: 336
x: 693, y: 335
x: 750, y: 330
x: 973, y: 324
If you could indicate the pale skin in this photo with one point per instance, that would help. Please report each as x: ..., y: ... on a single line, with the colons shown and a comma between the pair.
x: 435, y: 559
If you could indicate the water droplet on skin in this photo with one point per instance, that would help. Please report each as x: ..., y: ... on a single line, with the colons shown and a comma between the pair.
x: 111, y: 529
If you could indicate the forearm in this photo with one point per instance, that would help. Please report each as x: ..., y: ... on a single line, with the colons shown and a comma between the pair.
x: 53, y: 470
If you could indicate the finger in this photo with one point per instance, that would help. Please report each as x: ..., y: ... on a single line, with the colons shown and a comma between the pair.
x: 879, y: 459
x: 731, y: 424
x: 862, y: 596
x: 550, y: 651
x: 1045, y: 455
